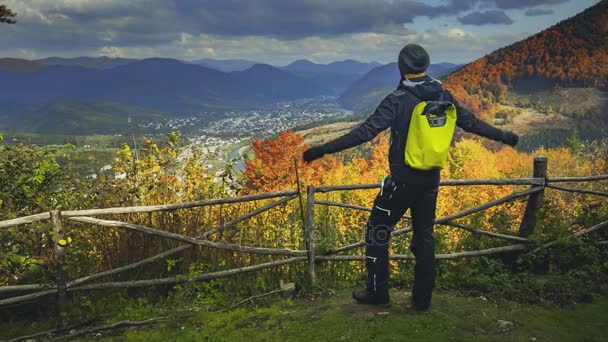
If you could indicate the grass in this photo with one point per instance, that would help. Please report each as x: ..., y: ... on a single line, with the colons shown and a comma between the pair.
x: 337, y: 318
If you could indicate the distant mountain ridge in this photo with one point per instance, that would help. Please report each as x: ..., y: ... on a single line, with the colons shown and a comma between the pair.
x: 18, y: 65
x: 156, y: 83
x: 151, y: 85
x: 102, y: 62
x: 369, y: 90
x: 104, y: 89
x: 345, y: 67
x: 226, y: 65
x: 334, y: 78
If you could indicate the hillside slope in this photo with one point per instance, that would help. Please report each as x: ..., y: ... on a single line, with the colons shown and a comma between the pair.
x: 570, y: 54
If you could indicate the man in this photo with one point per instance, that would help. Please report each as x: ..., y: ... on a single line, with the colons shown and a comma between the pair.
x: 405, y: 187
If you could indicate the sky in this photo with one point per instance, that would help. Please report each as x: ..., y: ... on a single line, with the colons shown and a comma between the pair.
x: 275, y: 31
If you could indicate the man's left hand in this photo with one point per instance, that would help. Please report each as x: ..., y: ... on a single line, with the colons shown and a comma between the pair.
x: 313, y: 153
x: 510, y: 138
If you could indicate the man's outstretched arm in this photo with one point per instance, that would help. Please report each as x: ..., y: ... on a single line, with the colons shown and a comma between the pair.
x: 381, y: 119
x: 471, y: 124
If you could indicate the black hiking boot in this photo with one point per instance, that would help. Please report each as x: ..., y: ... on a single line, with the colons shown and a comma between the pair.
x: 362, y: 297
x: 418, y: 308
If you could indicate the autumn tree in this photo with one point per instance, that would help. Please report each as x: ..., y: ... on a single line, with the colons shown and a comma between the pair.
x: 6, y: 14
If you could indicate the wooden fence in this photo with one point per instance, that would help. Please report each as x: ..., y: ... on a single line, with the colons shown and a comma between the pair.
x: 539, y: 182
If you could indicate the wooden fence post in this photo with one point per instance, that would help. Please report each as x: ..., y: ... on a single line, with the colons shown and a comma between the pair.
x: 60, y: 275
x: 535, y: 201
x: 310, y: 234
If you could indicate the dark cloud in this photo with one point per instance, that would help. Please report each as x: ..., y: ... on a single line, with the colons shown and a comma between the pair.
x: 537, y: 12
x: 510, y: 4
x: 297, y: 19
x: 86, y: 25
x: 271, y: 18
x: 57, y: 24
x: 485, y: 18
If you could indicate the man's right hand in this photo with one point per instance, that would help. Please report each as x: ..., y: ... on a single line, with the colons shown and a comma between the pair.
x: 509, y: 138
x: 313, y: 153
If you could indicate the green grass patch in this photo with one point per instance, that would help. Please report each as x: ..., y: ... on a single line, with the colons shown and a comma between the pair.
x: 336, y: 317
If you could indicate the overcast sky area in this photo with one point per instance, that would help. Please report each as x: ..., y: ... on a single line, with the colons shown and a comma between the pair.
x: 275, y: 31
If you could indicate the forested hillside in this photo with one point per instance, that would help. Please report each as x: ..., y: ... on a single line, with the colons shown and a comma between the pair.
x: 571, y: 54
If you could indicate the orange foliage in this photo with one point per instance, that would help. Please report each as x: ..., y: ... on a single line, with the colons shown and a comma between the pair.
x: 571, y: 53
x: 273, y: 169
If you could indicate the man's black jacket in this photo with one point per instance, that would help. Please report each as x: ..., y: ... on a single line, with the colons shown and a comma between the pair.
x: 395, y: 112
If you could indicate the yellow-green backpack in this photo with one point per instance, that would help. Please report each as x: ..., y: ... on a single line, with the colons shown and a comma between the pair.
x: 430, y: 135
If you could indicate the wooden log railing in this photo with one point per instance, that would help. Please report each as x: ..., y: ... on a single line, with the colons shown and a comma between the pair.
x: 62, y: 285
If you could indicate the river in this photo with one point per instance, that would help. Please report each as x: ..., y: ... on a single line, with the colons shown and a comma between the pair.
x: 240, y: 165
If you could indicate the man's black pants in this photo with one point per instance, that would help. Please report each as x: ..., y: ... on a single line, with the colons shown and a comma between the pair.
x: 389, y: 206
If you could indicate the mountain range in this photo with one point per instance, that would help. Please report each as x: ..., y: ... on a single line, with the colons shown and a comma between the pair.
x: 64, y: 87
x: 559, y: 71
x: 155, y: 84
x: 226, y: 65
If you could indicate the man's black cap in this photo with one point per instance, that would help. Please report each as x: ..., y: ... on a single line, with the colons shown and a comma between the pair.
x: 413, y: 59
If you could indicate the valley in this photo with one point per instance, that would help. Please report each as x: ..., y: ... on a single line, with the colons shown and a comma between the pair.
x: 530, y: 120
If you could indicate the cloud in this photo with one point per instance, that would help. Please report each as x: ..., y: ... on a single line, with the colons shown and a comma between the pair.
x: 274, y: 31
x: 270, y: 18
x: 511, y: 4
x: 452, y: 44
x: 537, y: 12
x: 485, y: 18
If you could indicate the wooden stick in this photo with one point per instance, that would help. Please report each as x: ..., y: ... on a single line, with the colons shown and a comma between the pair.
x: 343, y: 205
x: 362, y: 243
x: 485, y: 232
x: 590, y: 192
x: 295, y: 167
x: 309, y: 235
x: 60, y: 275
x: 251, y: 299
x: 27, y: 287
x: 25, y: 220
x: 449, y: 182
x: 247, y: 216
x: 491, y: 204
x: 322, y: 189
x: 125, y: 268
x: 116, y: 325
x: 168, y: 207
x: 508, y: 181
x: 56, y: 331
x: 154, y: 282
x: 350, y: 206
x: 535, y: 201
x: 575, y: 235
x: 174, y: 280
x: 190, y: 240
x: 489, y: 251
x: 25, y: 298
x: 157, y: 257
x: 577, y: 179
x: 483, y: 252
x: 450, y: 218
x: 77, y: 285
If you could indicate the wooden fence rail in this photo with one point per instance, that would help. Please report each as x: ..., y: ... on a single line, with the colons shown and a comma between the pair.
x: 309, y: 254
